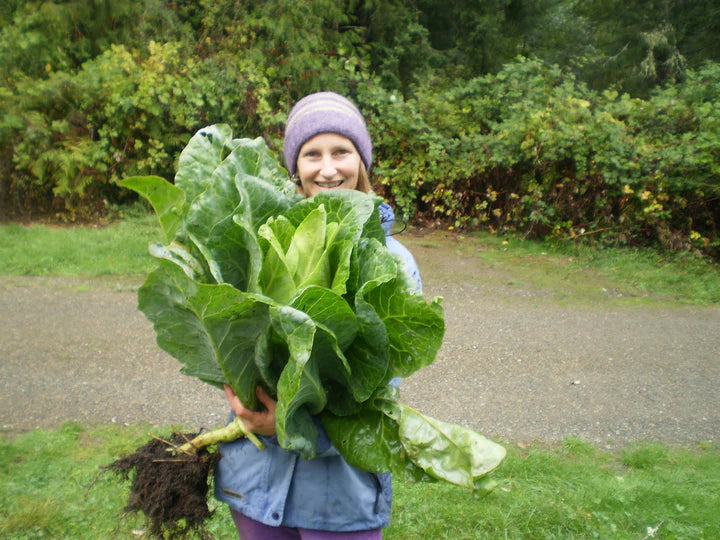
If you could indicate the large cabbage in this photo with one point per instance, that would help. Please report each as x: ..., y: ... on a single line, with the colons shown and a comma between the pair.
x: 257, y: 286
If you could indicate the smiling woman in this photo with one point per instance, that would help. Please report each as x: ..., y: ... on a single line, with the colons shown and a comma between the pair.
x: 325, y: 131
x: 328, y: 161
x: 327, y: 148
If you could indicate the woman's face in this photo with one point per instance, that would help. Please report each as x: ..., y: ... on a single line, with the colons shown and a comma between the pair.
x: 327, y: 161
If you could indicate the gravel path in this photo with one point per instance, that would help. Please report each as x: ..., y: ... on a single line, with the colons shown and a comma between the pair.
x: 515, y: 365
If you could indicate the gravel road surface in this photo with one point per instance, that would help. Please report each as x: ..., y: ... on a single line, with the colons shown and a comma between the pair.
x: 515, y: 365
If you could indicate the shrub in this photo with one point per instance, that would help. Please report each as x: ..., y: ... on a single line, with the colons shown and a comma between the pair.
x: 530, y: 149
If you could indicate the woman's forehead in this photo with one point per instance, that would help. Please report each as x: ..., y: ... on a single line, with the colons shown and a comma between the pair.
x: 328, y: 139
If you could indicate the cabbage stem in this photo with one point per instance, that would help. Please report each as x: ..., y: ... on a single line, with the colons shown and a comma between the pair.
x: 234, y: 430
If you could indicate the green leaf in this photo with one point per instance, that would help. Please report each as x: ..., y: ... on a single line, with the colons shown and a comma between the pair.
x: 413, y: 328
x: 300, y: 391
x: 181, y: 257
x: 350, y: 209
x: 275, y: 276
x: 369, y: 440
x: 166, y: 199
x: 235, y: 196
x: 444, y: 451
x: 337, y: 327
x: 205, y: 151
x: 211, y: 329
x: 306, y: 256
x: 368, y: 354
x: 388, y: 436
x: 330, y: 310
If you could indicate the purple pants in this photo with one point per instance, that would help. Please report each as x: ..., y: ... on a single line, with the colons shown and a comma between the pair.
x: 250, y: 529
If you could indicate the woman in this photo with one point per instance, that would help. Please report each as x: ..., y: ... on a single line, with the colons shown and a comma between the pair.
x: 274, y: 493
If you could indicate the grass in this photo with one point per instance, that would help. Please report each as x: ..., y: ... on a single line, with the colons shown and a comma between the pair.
x: 577, y: 491
x: 577, y: 273
x: 51, y: 485
x: 42, y: 250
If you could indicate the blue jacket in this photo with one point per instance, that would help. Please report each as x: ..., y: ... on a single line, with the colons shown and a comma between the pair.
x: 278, y: 487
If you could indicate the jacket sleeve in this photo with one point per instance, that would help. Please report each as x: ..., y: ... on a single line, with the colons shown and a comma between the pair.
x: 410, y: 266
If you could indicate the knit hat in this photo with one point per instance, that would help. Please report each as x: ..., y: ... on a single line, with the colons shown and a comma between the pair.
x: 325, y: 112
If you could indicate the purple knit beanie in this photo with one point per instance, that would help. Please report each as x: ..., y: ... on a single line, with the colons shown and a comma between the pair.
x: 325, y: 112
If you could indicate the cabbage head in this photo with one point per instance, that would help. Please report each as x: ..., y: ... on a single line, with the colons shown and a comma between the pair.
x: 258, y: 286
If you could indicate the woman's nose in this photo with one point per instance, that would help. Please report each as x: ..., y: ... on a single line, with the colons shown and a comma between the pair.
x: 328, y: 168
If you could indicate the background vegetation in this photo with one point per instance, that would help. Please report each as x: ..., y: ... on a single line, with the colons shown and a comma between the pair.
x: 561, y: 119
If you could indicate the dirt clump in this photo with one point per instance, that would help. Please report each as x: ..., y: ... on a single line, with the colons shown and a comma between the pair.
x: 169, y: 488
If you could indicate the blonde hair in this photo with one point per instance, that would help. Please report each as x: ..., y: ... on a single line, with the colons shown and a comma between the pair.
x: 363, y: 183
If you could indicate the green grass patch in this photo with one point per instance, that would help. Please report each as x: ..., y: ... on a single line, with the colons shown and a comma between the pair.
x: 120, y: 248
x: 587, y: 274
x: 52, y: 486
x: 682, y: 276
x: 575, y: 491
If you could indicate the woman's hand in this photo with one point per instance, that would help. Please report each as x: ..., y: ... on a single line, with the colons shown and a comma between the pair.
x: 263, y: 422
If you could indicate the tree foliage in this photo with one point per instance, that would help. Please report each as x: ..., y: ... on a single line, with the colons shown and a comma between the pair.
x: 531, y: 149
x: 568, y: 118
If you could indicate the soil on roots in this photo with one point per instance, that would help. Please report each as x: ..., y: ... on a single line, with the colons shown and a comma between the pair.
x: 170, y: 489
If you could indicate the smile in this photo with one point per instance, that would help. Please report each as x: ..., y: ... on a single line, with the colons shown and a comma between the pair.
x: 330, y: 185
